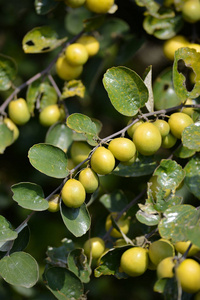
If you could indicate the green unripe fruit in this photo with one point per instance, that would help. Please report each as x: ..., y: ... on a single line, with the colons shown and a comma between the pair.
x: 178, y: 122
x: 94, y: 246
x: 18, y: 111
x: 89, y: 180
x: 159, y: 250
x: 155, y: 187
x: 79, y: 151
x: 49, y: 115
x: 162, y: 126
x: 54, y: 202
x: 133, y: 127
x: 9, y: 123
x: 168, y: 141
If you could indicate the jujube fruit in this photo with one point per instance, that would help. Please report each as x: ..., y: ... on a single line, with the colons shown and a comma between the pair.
x: 123, y: 224
x: 89, y: 180
x: 191, y: 11
x: 178, y: 122
x: 94, y: 246
x: 79, y: 151
x: 11, y: 125
x: 66, y: 71
x: 122, y: 148
x: 91, y: 44
x: 163, y: 127
x: 173, y: 44
x: 49, y: 115
x: 54, y: 203
x: 168, y: 141
x: 99, y: 7
x: 181, y: 247
x: 102, y: 161
x: 73, y: 193
x: 165, y: 268
x: 160, y: 249
x: 188, y: 274
x: 18, y: 111
x: 76, y: 54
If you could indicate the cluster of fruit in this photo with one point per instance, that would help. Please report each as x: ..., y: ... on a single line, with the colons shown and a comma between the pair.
x: 70, y: 64
x: 96, y: 6
x: 176, y: 42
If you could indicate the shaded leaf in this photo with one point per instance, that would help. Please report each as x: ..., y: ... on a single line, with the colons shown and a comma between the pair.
x: 74, y: 21
x: 193, y: 234
x: 19, y: 269
x: 73, y: 88
x: 22, y: 240
x: 59, y: 255
x: 184, y: 152
x: 49, y: 160
x: 43, y: 7
x: 171, y: 289
x: 114, y: 202
x: 160, y: 285
x: 93, y: 23
x: 30, y: 196
x: 32, y: 95
x: 147, y: 219
x: 8, y: 70
x: 148, y: 82
x: 77, y: 220
x: 192, y: 178
x: 48, y: 95
x: 126, y: 90
x: 6, y: 231
x: 40, y: 40
x: 6, y: 137
x: 191, y: 137
x: 60, y: 136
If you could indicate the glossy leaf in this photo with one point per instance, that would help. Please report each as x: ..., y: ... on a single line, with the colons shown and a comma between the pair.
x: 176, y: 221
x: 8, y: 70
x: 58, y: 255
x: 6, y: 231
x: 63, y: 284
x: 191, y: 137
x: 74, y: 21
x: 19, y: 269
x: 126, y: 90
x: 22, y: 240
x: 142, y: 166
x: 60, y: 136
x: 77, y: 263
x: 40, y: 40
x: 114, y: 202
x: 49, y: 160
x: 170, y: 174
x: 147, y: 214
x: 191, y: 59
x: 192, y: 178
x: 193, y: 234
x: 83, y: 124
x: 6, y: 137
x: 73, y: 88
x: 162, y: 204
x: 30, y: 196
x: 77, y: 220
x: 160, y: 285
x: 43, y: 7
x: 184, y: 152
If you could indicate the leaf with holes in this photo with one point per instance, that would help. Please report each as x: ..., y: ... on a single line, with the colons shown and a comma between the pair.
x: 8, y: 70
x: 73, y: 88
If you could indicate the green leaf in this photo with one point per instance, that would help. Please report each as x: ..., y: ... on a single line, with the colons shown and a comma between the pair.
x: 30, y: 196
x: 77, y: 220
x: 8, y: 70
x: 22, y: 240
x: 60, y: 136
x: 75, y: 18
x: 184, y: 152
x: 147, y: 219
x: 73, y: 88
x: 191, y: 60
x: 83, y: 124
x: 148, y: 82
x: 171, y: 289
x: 40, y: 40
x: 170, y: 174
x: 93, y: 23
x: 193, y: 234
x: 19, y: 269
x: 6, y: 137
x: 176, y: 221
x: 126, y: 90
x: 32, y: 95
x: 77, y: 263
x: 114, y: 202
x: 58, y: 255
x: 160, y: 285
x: 63, y: 284
x: 192, y: 178
x: 6, y: 231
x: 162, y: 204
x: 49, y: 160
x: 144, y: 165
x: 191, y: 137
x: 43, y: 7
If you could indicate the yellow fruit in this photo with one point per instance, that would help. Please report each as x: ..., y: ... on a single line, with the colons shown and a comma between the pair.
x: 89, y: 180
x: 168, y: 141
x: 191, y: 11
x: 147, y: 138
x: 79, y: 151
x: 188, y: 274
x: 102, y: 161
x: 73, y: 193
x: 54, y: 203
x: 133, y: 127
x: 49, y: 115
x: 91, y: 44
x: 163, y: 127
x: 76, y: 54
x: 134, y: 261
x: 188, y: 110
x: 95, y: 247
x: 9, y: 123
x: 18, y: 111
x: 159, y: 250
x: 99, y: 7
x: 66, y: 71
x: 155, y: 187
x: 123, y: 149
x: 173, y: 44
x: 194, y: 46
x: 181, y: 247
x: 123, y: 224
x: 74, y: 3
x: 165, y: 268
x: 178, y: 122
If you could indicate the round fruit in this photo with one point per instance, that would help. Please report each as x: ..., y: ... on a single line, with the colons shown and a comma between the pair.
x: 9, y: 123
x: 163, y: 127
x: 74, y: 3
x: 159, y: 250
x: 79, y: 152
x: 178, y: 122
x: 194, y: 46
x: 66, y: 71
x: 168, y: 141
x: 173, y: 44
x: 191, y: 11
x: 188, y: 110
x: 181, y: 247
x: 95, y: 247
x: 130, y: 161
x: 188, y: 274
x: 18, y: 111
x: 134, y: 261
x: 73, y: 193
x: 122, y: 148
x: 133, y: 127
x: 91, y: 44
x: 99, y: 7
x: 76, y: 54
x: 165, y: 268
x: 49, y: 115
x: 89, y: 180
x: 155, y: 187
x: 54, y: 203
x: 147, y: 138
x: 102, y: 161
x: 123, y: 224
